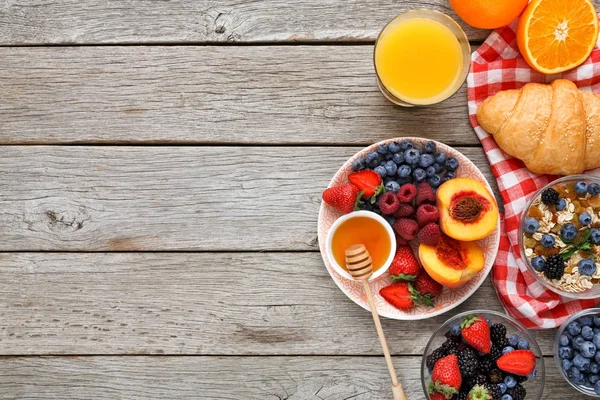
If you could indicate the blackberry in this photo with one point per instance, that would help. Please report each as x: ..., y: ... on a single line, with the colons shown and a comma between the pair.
x: 477, y: 380
x: 434, y: 357
x: 550, y: 197
x: 451, y: 346
x: 498, y: 332
x: 493, y: 390
x: 519, y: 378
x: 502, y: 343
x: 461, y: 396
x: 496, y: 352
x: 517, y: 393
x: 468, y: 362
x: 496, y: 376
x: 555, y: 266
x: 486, y: 364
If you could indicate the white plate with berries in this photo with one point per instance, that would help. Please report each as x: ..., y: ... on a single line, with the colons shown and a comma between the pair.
x: 439, y: 204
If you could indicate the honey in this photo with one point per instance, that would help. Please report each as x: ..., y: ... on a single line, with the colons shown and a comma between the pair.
x: 363, y: 230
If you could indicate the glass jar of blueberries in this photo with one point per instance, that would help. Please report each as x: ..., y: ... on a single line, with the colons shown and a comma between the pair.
x: 577, y: 351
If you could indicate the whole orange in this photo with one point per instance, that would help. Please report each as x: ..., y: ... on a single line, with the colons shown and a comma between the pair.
x: 488, y: 14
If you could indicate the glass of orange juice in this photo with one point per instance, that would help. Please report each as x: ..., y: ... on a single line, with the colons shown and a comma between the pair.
x: 421, y: 57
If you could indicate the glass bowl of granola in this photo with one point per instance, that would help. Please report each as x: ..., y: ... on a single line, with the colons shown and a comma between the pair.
x: 559, y: 236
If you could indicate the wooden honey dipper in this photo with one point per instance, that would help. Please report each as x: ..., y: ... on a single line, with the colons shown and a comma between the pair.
x: 360, y: 266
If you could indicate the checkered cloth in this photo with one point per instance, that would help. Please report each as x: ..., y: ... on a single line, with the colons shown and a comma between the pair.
x: 497, y: 65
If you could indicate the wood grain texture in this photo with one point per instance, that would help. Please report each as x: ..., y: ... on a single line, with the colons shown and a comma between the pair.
x: 180, y: 21
x: 217, y: 378
x: 167, y: 198
x: 267, y: 94
x: 195, y: 304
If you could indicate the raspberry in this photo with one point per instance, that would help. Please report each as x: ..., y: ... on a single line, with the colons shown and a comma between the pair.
x: 406, y: 228
x: 430, y: 234
x: 400, y: 241
x: 425, y: 194
x: 404, y: 210
x: 426, y: 213
x: 407, y: 193
x: 388, y: 203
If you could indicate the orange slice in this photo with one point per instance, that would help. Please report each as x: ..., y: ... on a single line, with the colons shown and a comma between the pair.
x: 557, y: 35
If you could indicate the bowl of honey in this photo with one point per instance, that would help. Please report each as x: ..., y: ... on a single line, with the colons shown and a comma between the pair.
x: 361, y: 227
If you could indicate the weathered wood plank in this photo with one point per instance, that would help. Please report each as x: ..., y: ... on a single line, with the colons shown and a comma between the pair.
x: 201, y: 304
x: 167, y: 198
x: 271, y: 94
x: 180, y: 21
x: 259, y: 378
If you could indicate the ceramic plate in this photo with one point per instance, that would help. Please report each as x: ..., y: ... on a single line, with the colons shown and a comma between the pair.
x: 449, y: 298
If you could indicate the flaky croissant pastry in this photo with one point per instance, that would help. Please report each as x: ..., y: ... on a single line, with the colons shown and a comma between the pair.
x: 554, y: 129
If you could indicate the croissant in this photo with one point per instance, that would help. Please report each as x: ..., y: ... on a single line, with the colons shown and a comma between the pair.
x: 554, y: 129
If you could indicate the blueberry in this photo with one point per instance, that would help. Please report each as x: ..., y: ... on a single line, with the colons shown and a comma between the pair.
x: 388, y: 156
x: 566, y: 364
x: 381, y: 171
x: 502, y: 387
x: 412, y: 156
x: 406, y: 144
x: 383, y: 149
x: 523, y: 344
x: 394, y: 147
x: 513, y: 340
x: 586, y: 320
x: 507, y: 349
x: 489, y: 321
x: 547, y: 240
x: 595, y: 235
x: 577, y: 342
x: 573, y: 372
x: 392, y: 186
x: 596, y: 340
x: 391, y: 168
x: 419, y: 174
x: 506, y: 397
x: 532, y: 375
x: 596, y: 320
x: 531, y: 225
x: 587, y: 349
x: 430, y: 171
x: 585, y: 218
x: 594, y: 189
x: 564, y: 340
x: 581, y: 188
x: 403, y: 181
x: 594, y: 368
x: 582, y: 363
x: 377, y: 211
x: 455, y: 330
x: 510, y: 381
x: 587, y: 267
x: 358, y: 164
x: 593, y: 379
x: 568, y: 232
x: 597, y: 385
x: 450, y: 175
x: 390, y: 219
x: 438, y: 168
x: 538, y: 264
x: 451, y: 164
x: 398, y: 158
x: 596, y: 330
x: 597, y: 357
x: 404, y: 171
x: 440, y: 158
x: 587, y: 332
x: 426, y: 160
x: 565, y: 352
x: 434, y: 181
x: 372, y: 159
x: 429, y: 147
x: 561, y: 205
x: 579, y: 380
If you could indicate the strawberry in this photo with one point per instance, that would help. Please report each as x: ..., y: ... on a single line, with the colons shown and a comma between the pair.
x: 479, y: 392
x: 427, y: 288
x: 342, y: 198
x: 445, y: 377
x: 367, y: 181
x: 437, y: 396
x: 399, y: 295
x: 518, y: 362
x: 405, y: 266
x: 476, y: 332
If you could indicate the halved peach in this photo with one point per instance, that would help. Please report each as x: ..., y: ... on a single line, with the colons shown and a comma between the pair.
x: 468, y: 211
x: 452, y: 263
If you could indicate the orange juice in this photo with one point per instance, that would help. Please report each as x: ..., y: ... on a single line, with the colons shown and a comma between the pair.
x: 361, y: 230
x: 420, y: 60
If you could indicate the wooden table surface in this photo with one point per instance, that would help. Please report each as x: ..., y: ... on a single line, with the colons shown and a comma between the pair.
x: 161, y: 166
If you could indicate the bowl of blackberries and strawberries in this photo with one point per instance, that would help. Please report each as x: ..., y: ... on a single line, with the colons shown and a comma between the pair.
x: 482, y: 355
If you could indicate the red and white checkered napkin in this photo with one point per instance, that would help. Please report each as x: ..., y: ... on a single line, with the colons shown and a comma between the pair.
x: 497, y: 65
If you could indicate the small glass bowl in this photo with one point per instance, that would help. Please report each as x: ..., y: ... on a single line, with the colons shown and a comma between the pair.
x: 583, y: 389
x: 534, y: 386
x: 594, y: 292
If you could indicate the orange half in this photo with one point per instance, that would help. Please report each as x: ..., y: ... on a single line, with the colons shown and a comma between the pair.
x: 557, y: 35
